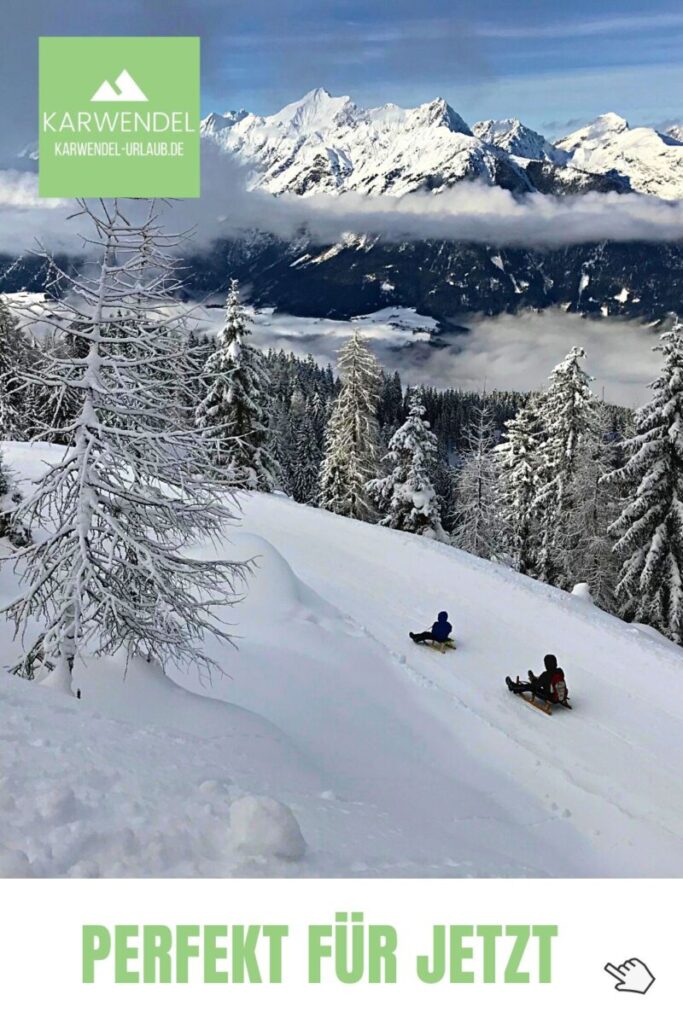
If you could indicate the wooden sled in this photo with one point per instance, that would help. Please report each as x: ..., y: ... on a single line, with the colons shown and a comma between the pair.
x: 540, y: 705
x: 442, y: 646
x: 545, y: 706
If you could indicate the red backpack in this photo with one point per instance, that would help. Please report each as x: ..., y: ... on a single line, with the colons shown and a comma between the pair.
x: 558, y: 687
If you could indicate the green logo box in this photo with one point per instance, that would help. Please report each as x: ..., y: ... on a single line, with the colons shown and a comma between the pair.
x: 119, y: 117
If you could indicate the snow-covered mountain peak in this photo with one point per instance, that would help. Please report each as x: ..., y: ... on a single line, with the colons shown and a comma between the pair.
x: 327, y: 144
x: 648, y: 160
x: 675, y: 132
x: 595, y: 132
x: 438, y: 114
x: 611, y: 122
x: 515, y: 138
x: 324, y: 143
x: 313, y: 112
x: 388, y: 113
x: 218, y: 122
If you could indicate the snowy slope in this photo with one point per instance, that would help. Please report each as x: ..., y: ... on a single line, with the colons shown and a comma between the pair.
x: 651, y: 161
x: 394, y: 760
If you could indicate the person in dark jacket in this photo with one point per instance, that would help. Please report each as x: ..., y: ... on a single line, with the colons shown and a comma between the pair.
x: 540, y: 686
x: 440, y: 631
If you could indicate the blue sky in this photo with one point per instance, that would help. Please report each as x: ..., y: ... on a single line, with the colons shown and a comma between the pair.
x: 548, y: 62
x: 553, y: 64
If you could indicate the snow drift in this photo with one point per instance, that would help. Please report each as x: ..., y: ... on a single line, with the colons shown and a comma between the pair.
x: 334, y: 747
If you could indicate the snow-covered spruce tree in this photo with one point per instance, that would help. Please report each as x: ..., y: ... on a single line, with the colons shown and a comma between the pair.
x: 319, y: 413
x: 444, y: 478
x: 517, y: 460
x: 132, y: 489
x: 567, y: 415
x: 10, y: 525
x: 649, y: 531
x: 305, y: 454
x: 282, y: 444
x: 477, y: 527
x: 56, y: 404
x: 14, y: 355
x: 406, y: 496
x: 235, y: 409
x: 595, y: 503
x: 200, y: 347
x: 351, y: 437
x: 391, y: 411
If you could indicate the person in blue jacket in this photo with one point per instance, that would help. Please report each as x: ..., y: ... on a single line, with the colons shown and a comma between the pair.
x: 440, y: 631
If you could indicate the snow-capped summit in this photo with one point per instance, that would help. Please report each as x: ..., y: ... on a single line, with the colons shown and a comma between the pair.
x: 518, y: 140
x: 324, y: 143
x: 328, y: 144
x: 674, y: 131
x: 313, y: 112
x: 438, y: 114
x: 219, y: 122
x: 603, y: 126
x: 649, y: 160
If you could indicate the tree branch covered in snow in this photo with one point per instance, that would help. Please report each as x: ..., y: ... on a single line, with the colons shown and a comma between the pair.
x: 110, y: 566
x: 476, y: 529
x: 649, y: 531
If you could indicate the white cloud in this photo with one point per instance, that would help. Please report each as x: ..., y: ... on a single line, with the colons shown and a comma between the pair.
x: 19, y: 189
x: 519, y: 351
x: 469, y: 212
x: 584, y: 27
x: 515, y: 352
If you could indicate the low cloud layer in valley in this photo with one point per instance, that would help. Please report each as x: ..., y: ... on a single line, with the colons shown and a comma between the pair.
x: 470, y: 212
x: 509, y: 351
x: 497, y: 353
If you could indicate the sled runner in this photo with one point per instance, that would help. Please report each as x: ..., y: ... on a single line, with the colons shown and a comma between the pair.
x: 438, y: 645
x: 441, y: 645
x: 535, y: 702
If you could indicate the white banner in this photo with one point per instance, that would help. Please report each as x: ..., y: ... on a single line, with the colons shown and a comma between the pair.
x: 395, y: 950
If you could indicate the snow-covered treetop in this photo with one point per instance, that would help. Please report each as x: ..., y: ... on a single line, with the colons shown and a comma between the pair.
x: 667, y: 405
x: 414, y: 436
x: 571, y: 360
x: 237, y: 322
x: 356, y: 359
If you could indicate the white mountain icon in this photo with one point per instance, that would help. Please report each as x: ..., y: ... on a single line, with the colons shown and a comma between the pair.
x: 128, y: 91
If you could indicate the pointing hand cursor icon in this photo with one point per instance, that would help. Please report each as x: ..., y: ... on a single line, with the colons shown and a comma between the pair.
x: 631, y: 976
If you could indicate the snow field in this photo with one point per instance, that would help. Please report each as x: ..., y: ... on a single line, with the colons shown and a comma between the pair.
x: 335, y: 747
